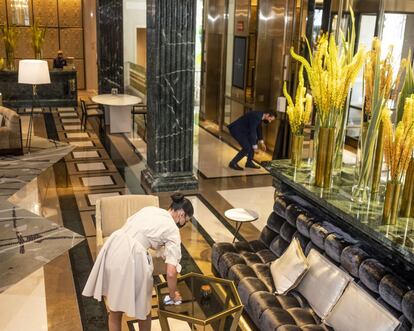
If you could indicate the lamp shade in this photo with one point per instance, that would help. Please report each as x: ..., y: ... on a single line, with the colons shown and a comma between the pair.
x: 34, y: 72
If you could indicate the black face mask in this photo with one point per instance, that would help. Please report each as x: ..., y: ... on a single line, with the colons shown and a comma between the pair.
x: 266, y: 122
x: 180, y: 225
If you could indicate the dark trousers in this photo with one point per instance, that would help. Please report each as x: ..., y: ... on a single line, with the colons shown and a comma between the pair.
x: 247, y: 148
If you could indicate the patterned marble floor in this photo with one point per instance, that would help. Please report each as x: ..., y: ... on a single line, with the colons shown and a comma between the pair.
x: 100, y: 166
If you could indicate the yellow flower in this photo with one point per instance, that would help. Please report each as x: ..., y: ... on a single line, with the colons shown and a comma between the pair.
x: 300, y: 111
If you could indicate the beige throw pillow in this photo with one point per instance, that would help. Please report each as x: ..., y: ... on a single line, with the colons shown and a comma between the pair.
x: 356, y: 310
x: 323, y: 284
x: 288, y: 270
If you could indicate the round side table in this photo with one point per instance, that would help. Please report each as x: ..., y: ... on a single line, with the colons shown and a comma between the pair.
x: 240, y: 216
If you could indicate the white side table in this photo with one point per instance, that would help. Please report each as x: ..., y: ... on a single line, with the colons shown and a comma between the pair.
x: 117, y: 110
x: 240, y: 216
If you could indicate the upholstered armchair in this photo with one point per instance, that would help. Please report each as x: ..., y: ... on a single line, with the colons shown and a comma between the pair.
x: 10, y: 132
x: 112, y: 213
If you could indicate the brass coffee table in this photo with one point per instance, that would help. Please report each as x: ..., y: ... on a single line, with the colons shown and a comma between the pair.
x: 209, y: 302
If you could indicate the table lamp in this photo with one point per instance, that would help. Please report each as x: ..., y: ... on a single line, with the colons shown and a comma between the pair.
x: 33, y: 72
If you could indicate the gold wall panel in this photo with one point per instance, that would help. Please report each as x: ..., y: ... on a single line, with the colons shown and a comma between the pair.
x: 12, y: 14
x: 2, y: 11
x: 45, y: 12
x: 24, y: 49
x: 71, y: 42
x: 51, y: 43
x: 70, y: 13
x: 80, y: 73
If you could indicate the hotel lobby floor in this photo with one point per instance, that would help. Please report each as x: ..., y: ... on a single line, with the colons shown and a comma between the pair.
x: 50, y: 297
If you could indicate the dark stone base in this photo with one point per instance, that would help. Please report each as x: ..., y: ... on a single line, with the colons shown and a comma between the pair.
x: 168, y: 182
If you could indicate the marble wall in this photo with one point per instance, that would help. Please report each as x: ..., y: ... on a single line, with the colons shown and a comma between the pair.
x: 170, y: 93
x: 64, y: 22
x: 110, y: 45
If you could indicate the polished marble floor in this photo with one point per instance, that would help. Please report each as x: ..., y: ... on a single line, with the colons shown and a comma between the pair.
x: 66, y: 193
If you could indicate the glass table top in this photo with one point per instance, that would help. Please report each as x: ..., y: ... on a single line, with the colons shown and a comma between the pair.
x: 204, y: 297
x: 366, y: 216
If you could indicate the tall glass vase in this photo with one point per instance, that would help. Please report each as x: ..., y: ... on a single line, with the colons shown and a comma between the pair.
x: 10, y: 60
x: 361, y: 188
x: 340, y: 140
x: 377, y: 165
x: 391, y: 203
x: 296, y: 150
x: 407, y: 198
x: 324, y: 157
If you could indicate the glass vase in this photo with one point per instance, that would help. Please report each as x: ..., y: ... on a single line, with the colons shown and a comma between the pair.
x: 407, y: 198
x: 296, y: 150
x: 391, y: 203
x: 377, y: 165
x: 10, y: 60
x: 324, y: 157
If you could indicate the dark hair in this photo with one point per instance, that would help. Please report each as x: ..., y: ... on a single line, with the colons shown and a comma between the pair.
x: 180, y: 202
x: 271, y: 113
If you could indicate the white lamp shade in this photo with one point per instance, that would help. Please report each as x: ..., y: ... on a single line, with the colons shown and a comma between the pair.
x: 33, y: 72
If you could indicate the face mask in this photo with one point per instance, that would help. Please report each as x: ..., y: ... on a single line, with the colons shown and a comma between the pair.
x: 266, y: 122
x: 179, y: 225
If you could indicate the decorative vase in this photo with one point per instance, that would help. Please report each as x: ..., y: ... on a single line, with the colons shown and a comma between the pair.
x: 377, y: 166
x: 10, y: 60
x: 392, y: 198
x: 407, y: 198
x: 38, y: 54
x: 324, y: 157
x: 296, y: 150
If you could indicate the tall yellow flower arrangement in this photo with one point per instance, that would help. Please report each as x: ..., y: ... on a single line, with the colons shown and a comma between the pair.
x: 9, y: 36
x: 398, y: 148
x: 331, y: 73
x: 299, y: 113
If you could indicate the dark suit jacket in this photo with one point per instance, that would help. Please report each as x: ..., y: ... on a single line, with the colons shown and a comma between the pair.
x: 59, y: 63
x: 250, y: 125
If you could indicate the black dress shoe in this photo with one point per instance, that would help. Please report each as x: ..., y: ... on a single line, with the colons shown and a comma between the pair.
x: 235, y: 166
x: 252, y: 165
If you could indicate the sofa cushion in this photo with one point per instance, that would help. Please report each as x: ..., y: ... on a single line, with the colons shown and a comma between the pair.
x: 392, y: 291
x: 278, y: 246
x: 288, y: 270
x: 228, y: 260
x: 240, y: 271
x: 323, y: 284
x: 218, y: 250
x: 408, y: 306
x: 356, y: 310
x: 351, y: 259
x: 248, y: 286
x: 267, y: 236
x: 250, y: 258
x: 371, y: 272
x: 266, y: 256
x: 275, y: 222
x: 262, y: 272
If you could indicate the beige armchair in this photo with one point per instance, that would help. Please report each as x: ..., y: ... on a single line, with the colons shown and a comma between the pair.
x: 112, y: 213
x: 10, y: 133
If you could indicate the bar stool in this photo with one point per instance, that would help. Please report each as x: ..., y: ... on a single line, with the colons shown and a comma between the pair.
x: 91, y: 110
x: 140, y: 109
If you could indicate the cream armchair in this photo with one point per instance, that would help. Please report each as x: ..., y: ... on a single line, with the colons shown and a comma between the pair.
x: 10, y: 132
x: 112, y: 213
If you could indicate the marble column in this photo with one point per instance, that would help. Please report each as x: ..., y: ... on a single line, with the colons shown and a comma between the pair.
x: 110, y: 45
x: 170, y: 96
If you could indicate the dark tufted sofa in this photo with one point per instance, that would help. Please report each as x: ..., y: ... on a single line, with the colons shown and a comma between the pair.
x: 247, y: 263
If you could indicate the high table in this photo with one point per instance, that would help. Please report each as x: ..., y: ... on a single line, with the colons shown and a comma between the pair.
x: 117, y: 110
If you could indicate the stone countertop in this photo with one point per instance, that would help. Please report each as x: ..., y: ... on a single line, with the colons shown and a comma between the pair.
x: 28, y: 241
x: 365, y: 218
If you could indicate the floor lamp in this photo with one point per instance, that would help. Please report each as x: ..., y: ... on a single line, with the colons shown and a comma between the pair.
x: 33, y: 72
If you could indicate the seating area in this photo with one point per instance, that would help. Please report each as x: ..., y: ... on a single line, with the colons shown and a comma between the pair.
x: 249, y: 264
x: 10, y: 132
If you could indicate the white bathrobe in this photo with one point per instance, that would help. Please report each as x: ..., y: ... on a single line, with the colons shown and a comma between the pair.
x: 123, y: 269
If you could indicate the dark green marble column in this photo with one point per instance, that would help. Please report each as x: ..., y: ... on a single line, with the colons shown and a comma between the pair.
x: 170, y: 95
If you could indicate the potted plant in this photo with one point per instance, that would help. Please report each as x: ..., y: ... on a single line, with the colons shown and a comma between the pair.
x: 38, y: 37
x: 9, y: 35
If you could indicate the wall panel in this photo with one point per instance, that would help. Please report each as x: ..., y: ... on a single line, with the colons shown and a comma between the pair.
x: 45, y: 12
x: 71, y: 42
x: 64, y: 22
x: 70, y: 13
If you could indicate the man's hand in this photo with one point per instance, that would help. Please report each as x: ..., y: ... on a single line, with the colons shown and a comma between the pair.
x: 177, y: 297
x: 255, y: 149
x: 262, y: 146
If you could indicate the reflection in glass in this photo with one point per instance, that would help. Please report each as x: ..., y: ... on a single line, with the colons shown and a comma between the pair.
x: 20, y: 12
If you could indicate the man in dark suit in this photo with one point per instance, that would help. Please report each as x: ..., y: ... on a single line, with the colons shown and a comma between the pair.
x: 59, y: 62
x: 247, y: 130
